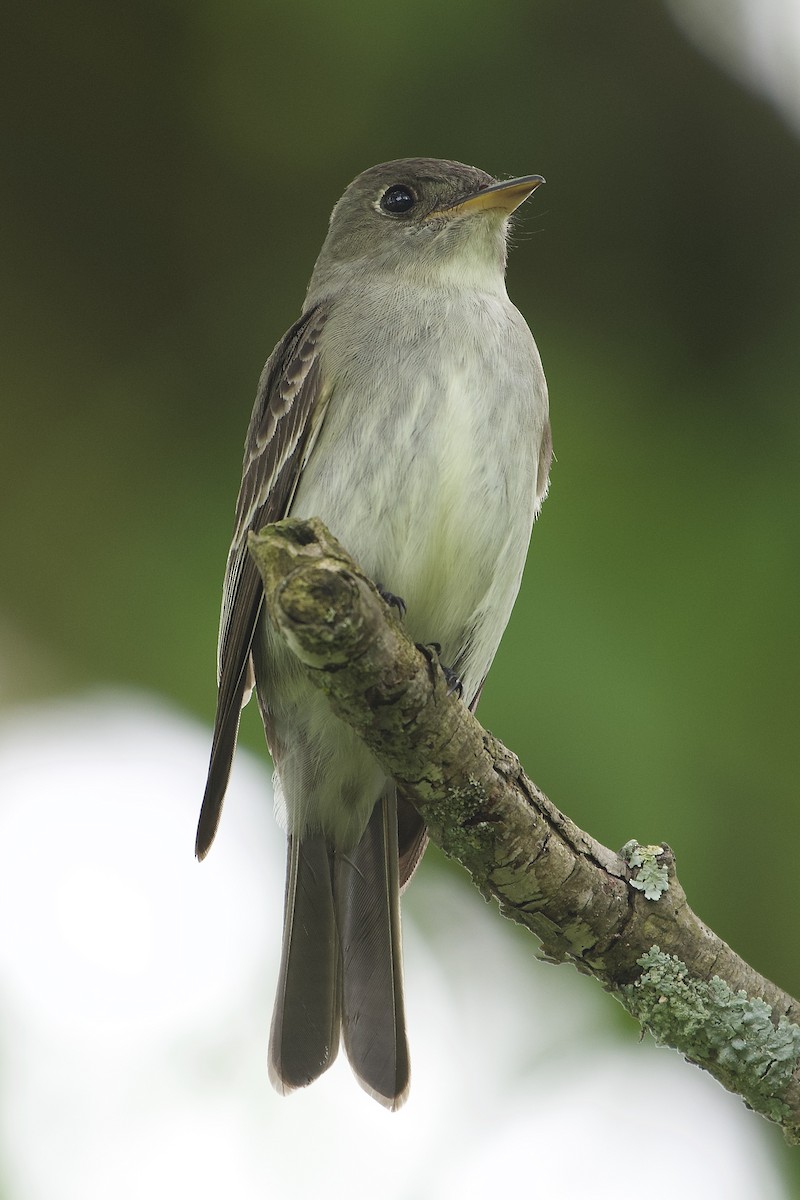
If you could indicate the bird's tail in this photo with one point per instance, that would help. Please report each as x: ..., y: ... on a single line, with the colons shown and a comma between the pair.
x: 305, y: 1025
x: 341, y: 964
x: 367, y: 900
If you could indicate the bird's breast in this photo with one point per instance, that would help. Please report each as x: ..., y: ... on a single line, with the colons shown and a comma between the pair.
x: 425, y: 468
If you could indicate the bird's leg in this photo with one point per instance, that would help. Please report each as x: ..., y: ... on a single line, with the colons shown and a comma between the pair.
x: 431, y: 650
x: 393, y: 601
x: 454, y: 683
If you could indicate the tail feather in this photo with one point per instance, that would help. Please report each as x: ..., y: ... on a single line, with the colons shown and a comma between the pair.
x: 366, y: 899
x: 304, y: 1039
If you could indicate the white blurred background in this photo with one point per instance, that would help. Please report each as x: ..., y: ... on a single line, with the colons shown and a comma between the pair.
x: 758, y: 41
x: 136, y: 990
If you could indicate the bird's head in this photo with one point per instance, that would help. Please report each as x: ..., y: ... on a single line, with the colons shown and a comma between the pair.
x: 422, y: 220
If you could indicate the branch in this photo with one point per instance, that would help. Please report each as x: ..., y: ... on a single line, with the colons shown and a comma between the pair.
x: 622, y: 918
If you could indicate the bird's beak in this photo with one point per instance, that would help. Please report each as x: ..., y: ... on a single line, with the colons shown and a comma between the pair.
x: 505, y: 197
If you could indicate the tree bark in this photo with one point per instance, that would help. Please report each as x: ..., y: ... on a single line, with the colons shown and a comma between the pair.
x: 621, y: 917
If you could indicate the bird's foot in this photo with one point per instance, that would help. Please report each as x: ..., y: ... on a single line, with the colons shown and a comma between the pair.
x: 393, y: 601
x: 455, y: 685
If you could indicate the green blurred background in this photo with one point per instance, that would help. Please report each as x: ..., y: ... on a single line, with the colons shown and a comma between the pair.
x: 169, y: 171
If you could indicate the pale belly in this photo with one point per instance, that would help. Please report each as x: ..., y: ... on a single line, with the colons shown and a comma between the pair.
x: 435, y: 498
x: 432, y: 488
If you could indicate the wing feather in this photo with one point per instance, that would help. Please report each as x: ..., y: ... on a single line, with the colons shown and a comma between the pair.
x: 288, y: 413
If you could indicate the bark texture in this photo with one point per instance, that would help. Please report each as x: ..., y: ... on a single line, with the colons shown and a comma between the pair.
x: 621, y: 917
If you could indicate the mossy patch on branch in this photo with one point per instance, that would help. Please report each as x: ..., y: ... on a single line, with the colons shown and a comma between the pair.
x: 731, y: 1033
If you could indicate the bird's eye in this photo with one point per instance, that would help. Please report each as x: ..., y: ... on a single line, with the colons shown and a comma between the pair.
x: 398, y: 199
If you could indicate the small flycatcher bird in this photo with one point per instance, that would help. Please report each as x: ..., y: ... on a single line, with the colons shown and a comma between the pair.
x: 407, y: 409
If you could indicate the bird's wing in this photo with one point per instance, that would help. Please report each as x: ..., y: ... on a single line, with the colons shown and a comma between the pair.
x: 287, y: 416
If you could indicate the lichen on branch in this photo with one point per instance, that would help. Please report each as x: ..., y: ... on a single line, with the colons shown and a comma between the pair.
x: 622, y: 918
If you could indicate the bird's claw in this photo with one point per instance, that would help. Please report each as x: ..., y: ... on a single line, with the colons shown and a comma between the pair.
x: 393, y: 601
x: 432, y: 651
x: 455, y: 685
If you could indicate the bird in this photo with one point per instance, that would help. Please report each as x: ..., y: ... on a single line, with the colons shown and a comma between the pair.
x: 407, y: 408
